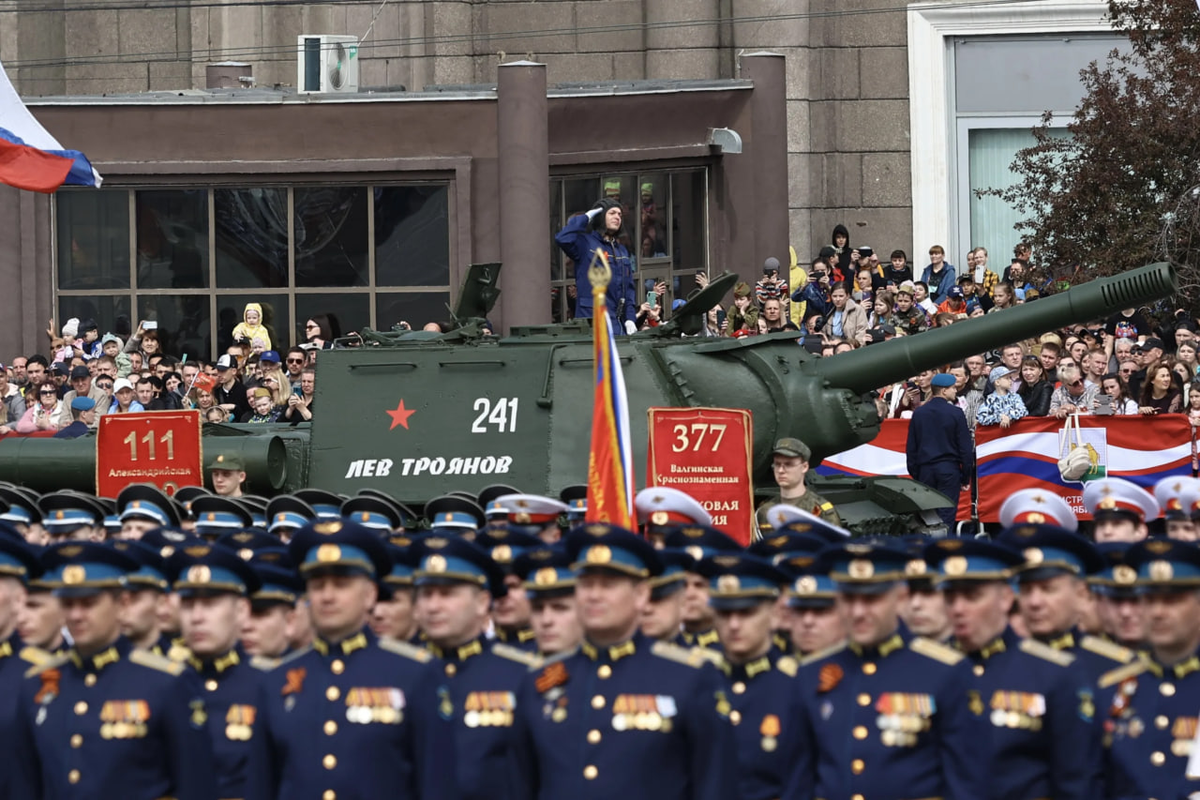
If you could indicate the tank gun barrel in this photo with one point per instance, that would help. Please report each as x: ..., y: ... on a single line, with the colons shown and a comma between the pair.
x: 895, y: 360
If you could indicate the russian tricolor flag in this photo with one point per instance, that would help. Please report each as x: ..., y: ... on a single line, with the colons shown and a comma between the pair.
x: 30, y: 158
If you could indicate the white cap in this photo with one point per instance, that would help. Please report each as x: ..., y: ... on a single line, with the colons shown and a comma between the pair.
x: 1038, y: 507
x: 1169, y: 492
x: 121, y: 383
x: 1118, y: 494
x: 662, y: 505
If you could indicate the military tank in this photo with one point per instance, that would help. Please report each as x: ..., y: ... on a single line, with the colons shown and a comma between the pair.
x: 419, y: 414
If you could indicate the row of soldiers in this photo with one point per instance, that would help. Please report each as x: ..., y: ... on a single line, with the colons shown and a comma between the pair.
x: 671, y: 662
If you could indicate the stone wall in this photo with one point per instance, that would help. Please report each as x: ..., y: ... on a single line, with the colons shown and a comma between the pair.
x: 848, y: 119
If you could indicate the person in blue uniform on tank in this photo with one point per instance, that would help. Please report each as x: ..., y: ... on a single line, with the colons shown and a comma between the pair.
x: 1036, y: 707
x: 352, y: 716
x: 107, y: 720
x: 624, y: 716
x: 939, y: 451
x: 600, y: 229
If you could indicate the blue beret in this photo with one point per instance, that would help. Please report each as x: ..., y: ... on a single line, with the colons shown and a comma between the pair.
x: 83, y: 403
x: 943, y: 380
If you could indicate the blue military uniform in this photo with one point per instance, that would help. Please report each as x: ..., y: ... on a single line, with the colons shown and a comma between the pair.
x: 939, y: 451
x: 505, y: 544
x: 637, y: 720
x: 762, y: 692
x: 1036, y: 708
x: 120, y: 722
x: 230, y: 680
x: 888, y: 720
x: 483, y: 677
x: 1148, y: 708
x: 701, y: 541
x: 356, y: 718
x: 1050, y: 551
x: 581, y: 243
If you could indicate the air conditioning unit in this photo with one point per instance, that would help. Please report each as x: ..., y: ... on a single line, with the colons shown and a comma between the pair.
x: 326, y: 63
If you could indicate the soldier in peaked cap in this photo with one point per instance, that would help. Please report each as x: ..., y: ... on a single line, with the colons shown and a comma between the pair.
x: 789, y: 461
x: 550, y: 583
x: 489, y: 499
x: 353, y: 716
x: 511, y: 611
x: 1169, y: 492
x: 19, y: 508
x: 899, y: 700
x: 227, y: 473
x: 214, y: 585
x: 142, y: 507
x: 326, y: 505
x: 1118, y: 597
x: 699, y: 541
x: 925, y: 612
x: 535, y: 515
x: 375, y: 512
x: 455, y: 515
x: 1190, y: 499
x: 662, y: 508
x: 408, y: 519
x: 575, y: 496
x: 69, y: 515
x: 184, y: 496
x: 456, y: 583
x: 1120, y: 509
x: 815, y: 623
x: 394, y: 614
x: 1149, y: 705
x: 1054, y: 593
x: 743, y: 590
x: 257, y: 508
x: 1036, y: 708
x: 18, y: 564
x: 216, y: 515
x: 41, y: 621
x: 286, y: 514
x: 107, y: 716
x: 624, y: 716
x: 149, y: 594
x: 662, y: 619
x: 273, y: 607
x: 1037, y: 507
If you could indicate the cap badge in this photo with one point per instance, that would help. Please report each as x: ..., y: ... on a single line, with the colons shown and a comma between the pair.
x: 955, y: 565
x: 660, y: 518
x: 695, y: 551
x: 806, y: 585
x: 326, y: 528
x: 74, y: 574
x: 1036, y: 517
x: 1124, y: 574
x: 598, y: 554
x: 546, y: 576
x: 861, y: 568
x: 435, y: 563
x: 197, y: 552
x: 329, y: 553
x: 522, y: 518
x: 728, y: 583
x: 1034, y: 555
x: 199, y: 573
x: 1161, y: 571
x: 915, y: 567
x: 1157, y: 546
x: 246, y: 554
x: 597, y: 530
x: 502, y: 552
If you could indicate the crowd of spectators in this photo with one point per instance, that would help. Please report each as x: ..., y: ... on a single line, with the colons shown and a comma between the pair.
x: 84, y: 375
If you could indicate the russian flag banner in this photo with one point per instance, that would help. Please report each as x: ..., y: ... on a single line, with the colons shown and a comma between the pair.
x: 30, y: 158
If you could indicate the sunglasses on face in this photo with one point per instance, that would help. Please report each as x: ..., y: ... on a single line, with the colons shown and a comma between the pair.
x: 48, y: 394
x: 295, y: 361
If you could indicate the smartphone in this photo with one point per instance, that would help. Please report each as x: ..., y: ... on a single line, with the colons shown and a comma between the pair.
x: 1104, y: 405
x: 298, y: 390
x: 150, y: 325
x: 652, y: 298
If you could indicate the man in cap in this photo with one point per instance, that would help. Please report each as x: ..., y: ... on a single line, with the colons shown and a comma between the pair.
x: 149, y: 592
x: 456, y: 583
x: 600, y: 230
x: 575, y: 498
x: 623, y: 716
x: 455, y: 515
x: 213, y: 584
x: 939, y: 451
x: 699, y: 541
x: 18, y: 564
x: 40, y: 620
x: 1149, y: 705
x: 1118, y: 597
x: 107, y: 718
x: 925, y: 613
x: 82, y: 386
x: 1120, y: 509
x: 142, y: 507
x: 1054, y: 593
x: 550, y: 583
x: 216, y: 515
x: 19, y: 508
x: 273, y: 607
x: 229, y: 392
x: 489, y: 500
x: 83, y: 416
x: 227, y: 472
x: 816, y: 623
x: 887, y: 709
x: 534, y: 515
x: 352, y: 716
x: 743, y: 589
x: 286, y: 515
x: 1037, y: 709
x: 789, y: 460
x: 661, y: 509
x: 662, y: 618
x: 394, y: 614
x: 69, y: 515
x: 511, y: 611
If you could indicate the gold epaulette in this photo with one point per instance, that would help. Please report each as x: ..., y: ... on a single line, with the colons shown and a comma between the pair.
x: 817, y: 655
x: 788, y: 666
x: 1046, y: 652
x: 264, y: 663
x: 147, y: 659
x: 1113, y: 677
x: 405, y: 649
x: 51, y: 663
x: 35, y: 656
x: 1110, y: 650
x: 516, y: 654
x: 935, y: 650
x: 681, y: 655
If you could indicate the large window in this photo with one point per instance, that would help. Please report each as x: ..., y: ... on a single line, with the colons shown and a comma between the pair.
x: 666, y: 229
x: 191, y: 259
